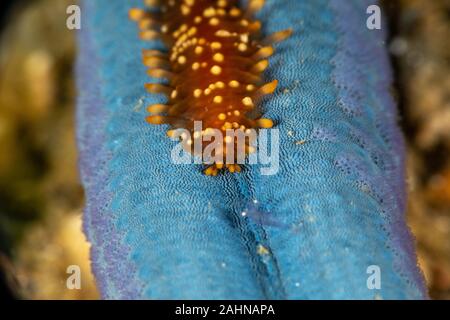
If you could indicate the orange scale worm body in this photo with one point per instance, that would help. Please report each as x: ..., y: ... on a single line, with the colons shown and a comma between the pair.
x: 215, y: 61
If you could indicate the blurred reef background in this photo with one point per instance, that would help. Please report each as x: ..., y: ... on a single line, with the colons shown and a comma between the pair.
x: 41, y: 199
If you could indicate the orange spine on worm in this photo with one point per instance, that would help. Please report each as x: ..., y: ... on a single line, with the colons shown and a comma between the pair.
x: 214, y: 66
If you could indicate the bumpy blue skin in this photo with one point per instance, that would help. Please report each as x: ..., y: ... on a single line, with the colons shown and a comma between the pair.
x: 165, y: 231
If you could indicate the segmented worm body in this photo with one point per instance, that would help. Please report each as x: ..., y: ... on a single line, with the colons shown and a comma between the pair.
x: 214, y: 64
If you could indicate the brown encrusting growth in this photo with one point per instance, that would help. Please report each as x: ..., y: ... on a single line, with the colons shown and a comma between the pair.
x: 214, y: 64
